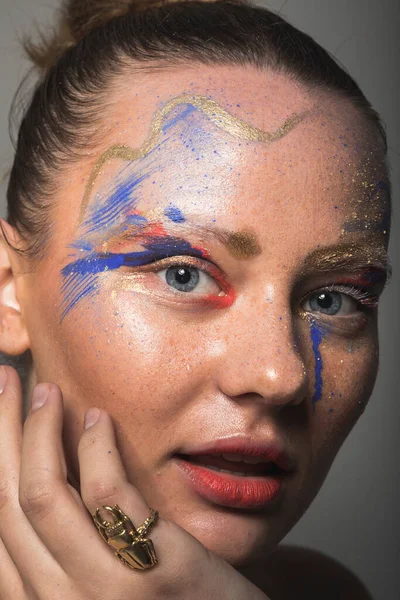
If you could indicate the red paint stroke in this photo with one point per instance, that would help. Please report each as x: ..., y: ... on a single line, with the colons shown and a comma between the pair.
x: 368, y: 278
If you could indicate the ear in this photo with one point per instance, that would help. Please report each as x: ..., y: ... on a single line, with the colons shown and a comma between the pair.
x: 14, y: 338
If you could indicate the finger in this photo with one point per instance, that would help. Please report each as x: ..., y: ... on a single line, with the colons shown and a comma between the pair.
x: 22, y: 545
x: 52, y: 506
x: 103, y: 476
x: 104, y: 483
x: 11, y: 585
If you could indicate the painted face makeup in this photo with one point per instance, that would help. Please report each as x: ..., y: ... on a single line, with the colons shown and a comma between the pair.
x: 161, y: 232
x: 165, y: 120
x: 372, y: 271
x: 194, y: 121
x: 374, y: 216
x: 209, y: 290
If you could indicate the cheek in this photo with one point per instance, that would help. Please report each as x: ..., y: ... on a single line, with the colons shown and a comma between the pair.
x: 133, y: 355
x: 349, y: 372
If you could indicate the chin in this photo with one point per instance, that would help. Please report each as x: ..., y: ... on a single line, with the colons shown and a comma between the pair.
x: 238, y: 538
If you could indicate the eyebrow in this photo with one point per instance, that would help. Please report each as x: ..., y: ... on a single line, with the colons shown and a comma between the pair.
x: 244, y: 245
x: 241, y: 245
x: 349, y: 257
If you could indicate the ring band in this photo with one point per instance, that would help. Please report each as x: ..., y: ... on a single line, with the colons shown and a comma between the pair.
x: 132, y: 548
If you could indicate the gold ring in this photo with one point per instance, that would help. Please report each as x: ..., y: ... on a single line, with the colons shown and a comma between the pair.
x: 132, y: 548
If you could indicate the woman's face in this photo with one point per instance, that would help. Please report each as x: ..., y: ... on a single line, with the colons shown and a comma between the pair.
x: 243, y: 339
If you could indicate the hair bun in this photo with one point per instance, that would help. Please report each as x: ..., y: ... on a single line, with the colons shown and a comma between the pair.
x: 77, y: 19
x: 82, y: 16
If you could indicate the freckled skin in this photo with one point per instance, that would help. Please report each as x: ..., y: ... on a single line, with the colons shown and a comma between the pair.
x: 171, y: 374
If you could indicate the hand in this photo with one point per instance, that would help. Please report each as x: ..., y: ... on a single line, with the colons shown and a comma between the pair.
x: 49, y: 546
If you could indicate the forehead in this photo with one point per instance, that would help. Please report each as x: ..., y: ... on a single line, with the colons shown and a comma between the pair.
x: 323, y: 169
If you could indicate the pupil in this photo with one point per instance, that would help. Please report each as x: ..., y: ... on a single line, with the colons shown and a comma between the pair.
x: 183, y: 276
x: 325, y: 301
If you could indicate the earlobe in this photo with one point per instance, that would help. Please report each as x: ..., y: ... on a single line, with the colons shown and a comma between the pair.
x: 14, y: 339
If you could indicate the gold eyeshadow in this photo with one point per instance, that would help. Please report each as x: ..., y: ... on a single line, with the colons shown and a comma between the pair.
x: 348, y: 256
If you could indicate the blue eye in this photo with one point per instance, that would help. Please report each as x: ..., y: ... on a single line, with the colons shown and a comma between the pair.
x: 184, y: 279
x: 341, y: 300
x: 331, y: 303
x: 328, y: 302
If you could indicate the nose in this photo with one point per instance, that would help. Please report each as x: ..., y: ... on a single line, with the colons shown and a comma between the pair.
x: 261, y: 356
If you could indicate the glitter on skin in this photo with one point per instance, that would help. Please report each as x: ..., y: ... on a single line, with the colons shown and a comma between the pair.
x: 349, y: 257
x: 379, y: 218
x: 217, y: 115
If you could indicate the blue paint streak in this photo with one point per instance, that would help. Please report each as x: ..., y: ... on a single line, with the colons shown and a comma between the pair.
x: 122, y: 198
x: 89, y: 285
x: 174, y: 214
x: 136, y: 220
x: 81, y: 276
x: 317, y: 336
x: 173, y: 120
x: 83, y: 245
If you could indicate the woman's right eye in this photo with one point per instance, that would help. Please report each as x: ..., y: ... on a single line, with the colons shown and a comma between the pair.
x: 184, y: 278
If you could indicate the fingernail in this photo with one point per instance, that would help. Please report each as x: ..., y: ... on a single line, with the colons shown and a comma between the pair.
x: 3, y: 379
x: 40, y: 395
x: 91, y: 417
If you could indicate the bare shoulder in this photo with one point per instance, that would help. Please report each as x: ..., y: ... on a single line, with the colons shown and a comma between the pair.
x: 297, y: 573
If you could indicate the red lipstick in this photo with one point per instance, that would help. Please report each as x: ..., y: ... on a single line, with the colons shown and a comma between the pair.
x: 260, y: 485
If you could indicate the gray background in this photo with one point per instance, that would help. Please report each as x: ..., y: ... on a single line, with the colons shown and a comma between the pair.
x: 355, y: 517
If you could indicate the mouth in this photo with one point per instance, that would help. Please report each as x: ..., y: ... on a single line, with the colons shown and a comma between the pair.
x: 233, y: 483
x: 233, y: 467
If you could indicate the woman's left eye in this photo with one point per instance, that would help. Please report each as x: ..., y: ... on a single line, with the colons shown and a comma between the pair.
x: 183, y: 278
x: 330, y: 303
x: 335, y: 303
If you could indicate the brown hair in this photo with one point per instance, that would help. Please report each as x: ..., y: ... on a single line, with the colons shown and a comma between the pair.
x: 97, y: 40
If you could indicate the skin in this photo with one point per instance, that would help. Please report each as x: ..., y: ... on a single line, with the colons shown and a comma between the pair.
x: 170, y: 371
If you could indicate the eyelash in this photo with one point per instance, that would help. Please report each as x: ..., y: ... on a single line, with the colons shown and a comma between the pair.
x: 187, y: 261
x: 363, y: 296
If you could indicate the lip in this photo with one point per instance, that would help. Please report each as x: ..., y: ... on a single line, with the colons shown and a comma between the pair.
x: 271, y: 450
x: 223, y: 489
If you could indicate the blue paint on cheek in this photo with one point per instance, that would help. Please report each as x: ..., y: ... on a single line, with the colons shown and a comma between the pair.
x: 317, y: 336
x: 75, y: 288
x: 174, y: 214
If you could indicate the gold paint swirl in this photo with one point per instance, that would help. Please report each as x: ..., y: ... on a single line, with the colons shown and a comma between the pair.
x: 218, y: 115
